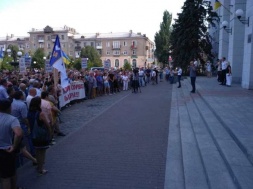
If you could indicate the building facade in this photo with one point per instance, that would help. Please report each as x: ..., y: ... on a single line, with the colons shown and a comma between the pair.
x: 116, y: 48
x: 233, y: 39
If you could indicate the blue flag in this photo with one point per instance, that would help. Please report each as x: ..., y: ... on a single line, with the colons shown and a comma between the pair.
x: 56, y: 61
x: 1, y: 53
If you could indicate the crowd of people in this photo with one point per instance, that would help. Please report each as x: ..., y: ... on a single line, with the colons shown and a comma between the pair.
x: 30, y: 110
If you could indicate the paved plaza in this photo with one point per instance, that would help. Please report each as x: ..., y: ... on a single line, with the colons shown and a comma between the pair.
x: 164, y: 137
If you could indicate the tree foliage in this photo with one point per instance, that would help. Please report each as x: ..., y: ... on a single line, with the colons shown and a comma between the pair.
x: 93, y: 56
x: 127, y: 66
x: 38, y: 58
x: 162, y: 38
x: 189, y: 38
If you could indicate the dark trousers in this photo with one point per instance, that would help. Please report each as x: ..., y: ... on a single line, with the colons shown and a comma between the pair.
x: 179, y: 80
x: 193, y: 79
x: 223, y: 77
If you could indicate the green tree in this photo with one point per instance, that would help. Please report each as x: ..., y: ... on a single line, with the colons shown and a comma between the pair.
x: 162, y: 39
x: 77, y: 64
x: 93, y: 56
x: 127, y: 66
x: 37, y: 57
x: 189, y: 38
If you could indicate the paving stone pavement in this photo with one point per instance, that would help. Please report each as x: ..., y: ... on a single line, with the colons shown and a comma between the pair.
x: 117, y: 141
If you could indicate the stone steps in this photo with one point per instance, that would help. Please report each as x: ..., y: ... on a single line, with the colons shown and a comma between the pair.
x: 202, y: 153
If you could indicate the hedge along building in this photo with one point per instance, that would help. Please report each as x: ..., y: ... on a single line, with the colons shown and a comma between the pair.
x: 233, y: 38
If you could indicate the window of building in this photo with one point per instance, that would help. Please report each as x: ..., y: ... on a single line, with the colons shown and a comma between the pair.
x: 62, y: 37
x: 34, y: 46
x: 48, y: 46
x: 116, y: 52
x: 125, y: 61
x: 92, y: 44
x: 125, y: 43
x: 134, y: 63
x: 84, y: 44
x: 134, y: 52
x: 124, y: 52
x: 107, y: 44
x: 41, y: 45
x: 48, y: 37
x: 27, y: 46
x: 116, y: 44
x: 63, y: 45
x: 99, y: 44
x: 134, y: 44
x: 117, y: 63
x: 108, y: 52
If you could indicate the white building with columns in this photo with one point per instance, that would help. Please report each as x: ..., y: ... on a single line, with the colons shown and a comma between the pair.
x: 233, y: 39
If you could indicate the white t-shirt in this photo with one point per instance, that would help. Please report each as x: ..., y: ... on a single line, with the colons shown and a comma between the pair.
x: 179, y: 72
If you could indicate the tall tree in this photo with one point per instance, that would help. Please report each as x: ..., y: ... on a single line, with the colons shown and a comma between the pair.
x: 93, y: 56
x: 189, y: 37
x: 37, y: 57
x: 162, y: 38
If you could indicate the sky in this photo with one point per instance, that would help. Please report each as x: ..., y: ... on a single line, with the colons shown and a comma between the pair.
x: 86, y: 16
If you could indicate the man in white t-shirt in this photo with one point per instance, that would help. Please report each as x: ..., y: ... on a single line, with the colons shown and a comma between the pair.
x: 224, y: 65
x: 179, y: 74
x: 30, y: 96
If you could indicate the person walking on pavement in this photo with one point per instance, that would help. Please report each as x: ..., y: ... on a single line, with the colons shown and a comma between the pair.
x: 179, y: 74
x: 10, y: 130
x: 193, y: 74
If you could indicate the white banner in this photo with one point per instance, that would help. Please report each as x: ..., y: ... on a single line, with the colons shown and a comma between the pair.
x: 48, y: 68
x: 74, y: 91
x: 22, y: 67
x: 84, y: 63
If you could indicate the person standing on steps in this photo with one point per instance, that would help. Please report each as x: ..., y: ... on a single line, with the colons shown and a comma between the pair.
x: 193, y: 74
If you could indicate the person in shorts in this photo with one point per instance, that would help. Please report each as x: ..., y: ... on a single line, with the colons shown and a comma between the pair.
x: 9, y: 144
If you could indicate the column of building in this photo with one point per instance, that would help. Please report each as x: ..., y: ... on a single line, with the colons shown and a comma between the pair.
x: 247, y: 72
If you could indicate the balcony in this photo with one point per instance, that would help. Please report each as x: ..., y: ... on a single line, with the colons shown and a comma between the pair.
x: 133, y: 47
x: 53, y: 40
x: 98, y: 47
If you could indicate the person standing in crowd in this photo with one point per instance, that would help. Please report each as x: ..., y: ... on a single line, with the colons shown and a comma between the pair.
x: 20, y: 111
x: 218, y: 66
x: 153, y: 76
x: 171, y: 75
x: 106, y: 84
x: 125, y: 81
x: 223, y: 71
x: 148, y: 74
x: 167, y: 74
x: 10, y: 137
x: 32, y: 94
x: 228, y: 75
x: 179, y: 74
x: 208, y: 69
x: 3, y: 89
x: 141, y: 78
x: 40, y: 143
x: 193, y: 74
x: 111, y: 82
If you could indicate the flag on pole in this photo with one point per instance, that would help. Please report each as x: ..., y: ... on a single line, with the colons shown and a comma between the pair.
x: 1, y: 53
x: 56, y: 61
x: 66, y: 59
x: 217, y: 5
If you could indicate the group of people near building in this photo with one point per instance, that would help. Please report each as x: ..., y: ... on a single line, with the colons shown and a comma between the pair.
x: 30, y: 111
x: 224, y: 72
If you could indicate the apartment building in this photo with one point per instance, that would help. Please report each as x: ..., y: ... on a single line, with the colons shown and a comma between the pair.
x: 119, y: 48
x: 116, y: 48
